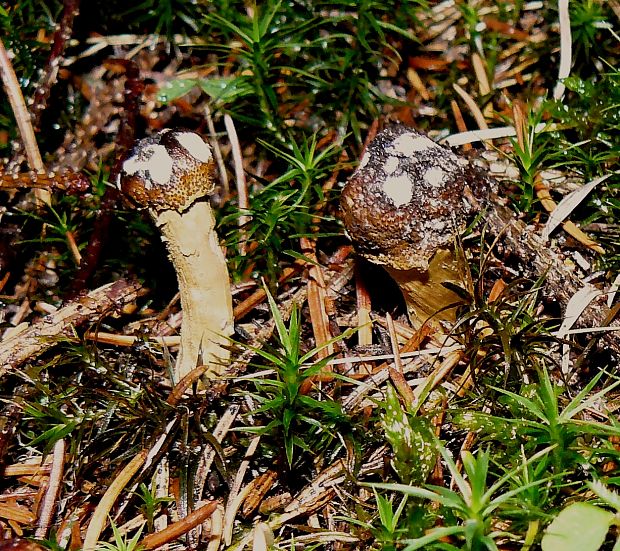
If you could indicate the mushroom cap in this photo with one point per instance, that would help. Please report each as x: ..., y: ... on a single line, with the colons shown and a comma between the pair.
x: 409, y: 197
x: 168, y: 170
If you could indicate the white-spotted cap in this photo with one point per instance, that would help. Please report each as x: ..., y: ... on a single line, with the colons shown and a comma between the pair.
x: 169, y: 170
x: 409, y: 197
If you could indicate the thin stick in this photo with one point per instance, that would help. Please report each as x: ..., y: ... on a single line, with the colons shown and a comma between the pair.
x: 484, y: 87
x: 471, y: 136
x: 566, y: 45
x: 460, y: 121
x: 217, y: 527
x: 316, y: 302
x: 236, y: 496
x: 473, y: 107
x: 73, y: 247
x: 100, y: 516
x: 65, y: 180
x: 129, y: 340
x: 397, y: 372
x: 162, y: 485
x: 178, y: 528
x: 398, y: 363
x: 188, y: 380
x: 364, y: 306
x: 242, y: 185
x: 217, y: 153
x: 53, y: 489
x: 414, y: 79
x: 22, y: 118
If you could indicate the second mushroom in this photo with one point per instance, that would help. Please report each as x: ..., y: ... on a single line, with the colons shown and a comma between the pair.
x: 170, y: 173
x: 404, y: 208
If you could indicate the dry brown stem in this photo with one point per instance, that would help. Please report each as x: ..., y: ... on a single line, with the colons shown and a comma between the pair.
x: 364, y: 307
x: 317, y: 298
x: 241, y: 182
x: 153, y: 541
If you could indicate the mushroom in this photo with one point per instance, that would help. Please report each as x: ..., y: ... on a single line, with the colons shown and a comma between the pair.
x: 169, y: 173
x: 404, y: 208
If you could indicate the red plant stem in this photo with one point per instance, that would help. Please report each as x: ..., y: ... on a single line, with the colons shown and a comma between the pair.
x: 50, y: 72
x: 134, y: 87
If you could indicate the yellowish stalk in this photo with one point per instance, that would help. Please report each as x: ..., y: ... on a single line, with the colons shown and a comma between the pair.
x: 426, y: 296
x: 204, y: 288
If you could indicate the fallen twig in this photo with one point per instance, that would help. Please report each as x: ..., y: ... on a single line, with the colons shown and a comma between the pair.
x: 559, y: 280
x: 27, y: 342
x: 152, y: 541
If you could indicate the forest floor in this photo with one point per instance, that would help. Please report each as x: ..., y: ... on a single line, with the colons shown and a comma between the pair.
x: 338, y: 418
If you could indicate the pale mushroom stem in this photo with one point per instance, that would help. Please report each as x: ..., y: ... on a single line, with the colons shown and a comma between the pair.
x: 428, y: 300
x: 201, y: 270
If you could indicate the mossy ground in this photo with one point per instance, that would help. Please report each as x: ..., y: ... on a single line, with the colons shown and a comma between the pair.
x: 308, y: 417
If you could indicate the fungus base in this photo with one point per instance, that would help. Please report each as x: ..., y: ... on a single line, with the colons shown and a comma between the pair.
x: 428, y: 300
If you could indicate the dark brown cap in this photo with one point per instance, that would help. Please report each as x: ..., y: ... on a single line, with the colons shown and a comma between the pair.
x: 409, y: 197
x: 169, y: 170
